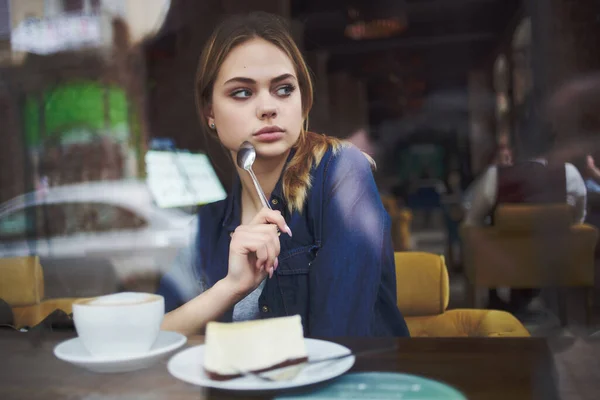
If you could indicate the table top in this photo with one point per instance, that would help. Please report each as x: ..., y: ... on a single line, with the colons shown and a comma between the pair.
x: 482, y: 368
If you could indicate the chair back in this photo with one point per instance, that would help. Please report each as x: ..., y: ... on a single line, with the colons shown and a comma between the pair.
x: 530, y: 246
x: 21, y: 281
x: 422, y: 286
x: 533, y: 218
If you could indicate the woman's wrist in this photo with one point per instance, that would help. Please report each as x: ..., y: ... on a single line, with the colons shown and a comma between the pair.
x: 230, y: 290
x: 192, y: 317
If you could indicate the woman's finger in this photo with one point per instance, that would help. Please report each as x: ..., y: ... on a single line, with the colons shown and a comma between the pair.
x: 244, y: 241
x: 264, y: 245
x: 274, y: 248
x: 273, y: 253
x: 267, y: 216
x: 262, y: 255
x: 262, y: 228
x: 267, y: 256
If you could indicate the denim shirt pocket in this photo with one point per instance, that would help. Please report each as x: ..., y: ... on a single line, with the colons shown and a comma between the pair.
x: 292, y: 277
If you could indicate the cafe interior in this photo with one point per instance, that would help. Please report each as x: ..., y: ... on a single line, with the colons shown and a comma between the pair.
x: 104, y: 164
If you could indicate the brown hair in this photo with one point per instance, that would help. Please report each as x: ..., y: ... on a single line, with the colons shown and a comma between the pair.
x: 310, y: 146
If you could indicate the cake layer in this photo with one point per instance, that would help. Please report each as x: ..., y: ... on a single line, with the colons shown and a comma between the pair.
x: 253, y: 346
x: 218, y: 377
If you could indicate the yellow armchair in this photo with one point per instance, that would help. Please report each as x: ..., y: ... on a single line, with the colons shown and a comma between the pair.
x: 22, y: 287
x: 423, y: 294
x: 530, y: 246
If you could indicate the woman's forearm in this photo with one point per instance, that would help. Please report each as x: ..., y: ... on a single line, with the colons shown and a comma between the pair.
x: 192, y: 317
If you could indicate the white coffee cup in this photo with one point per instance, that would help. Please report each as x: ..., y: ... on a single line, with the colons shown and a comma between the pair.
x: 120, y: 324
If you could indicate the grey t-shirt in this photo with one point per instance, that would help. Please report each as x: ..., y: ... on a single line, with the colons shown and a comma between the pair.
x: 247, y: 308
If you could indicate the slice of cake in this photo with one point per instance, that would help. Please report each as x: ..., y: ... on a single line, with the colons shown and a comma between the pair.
x: 254, y: 346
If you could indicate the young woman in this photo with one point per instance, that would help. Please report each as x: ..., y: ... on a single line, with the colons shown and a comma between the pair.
x: 332, y: 262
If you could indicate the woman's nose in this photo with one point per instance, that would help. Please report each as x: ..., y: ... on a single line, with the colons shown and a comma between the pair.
x: 266, y: 110
x: 270, y: 113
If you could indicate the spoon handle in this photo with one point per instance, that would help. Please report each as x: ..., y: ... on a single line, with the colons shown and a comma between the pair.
x: 261, y: 194
x: 354, y: 353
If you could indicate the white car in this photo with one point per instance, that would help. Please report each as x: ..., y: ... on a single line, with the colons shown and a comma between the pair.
x: 93, y: 236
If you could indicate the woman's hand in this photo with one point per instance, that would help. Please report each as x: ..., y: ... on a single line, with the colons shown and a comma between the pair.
x: 590, y: 163
x: 254, y: 249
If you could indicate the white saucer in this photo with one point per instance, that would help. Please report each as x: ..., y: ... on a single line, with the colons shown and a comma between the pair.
x: 72, y: 351
x: 187, y: 366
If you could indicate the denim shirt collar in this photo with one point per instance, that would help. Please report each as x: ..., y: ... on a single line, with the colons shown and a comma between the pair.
x: 233, y: 213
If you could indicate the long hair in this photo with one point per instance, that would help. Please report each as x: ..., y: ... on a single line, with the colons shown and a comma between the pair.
x: 310, y: 147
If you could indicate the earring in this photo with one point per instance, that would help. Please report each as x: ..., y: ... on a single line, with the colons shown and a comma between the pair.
x: 212, y: 125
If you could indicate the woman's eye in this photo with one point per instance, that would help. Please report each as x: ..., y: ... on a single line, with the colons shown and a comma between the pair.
x: 241, y: 93
x: 285, y: 90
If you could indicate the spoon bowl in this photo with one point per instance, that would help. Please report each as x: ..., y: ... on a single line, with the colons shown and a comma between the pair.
x: 246, y: 156
x: 245, y: 159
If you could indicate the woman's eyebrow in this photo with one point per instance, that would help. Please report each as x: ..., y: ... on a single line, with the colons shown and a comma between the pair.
x: 251, y: 81
x: 282, y: 78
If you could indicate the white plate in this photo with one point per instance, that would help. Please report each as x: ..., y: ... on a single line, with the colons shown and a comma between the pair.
x: 187, y: 366
x: 72, y: 351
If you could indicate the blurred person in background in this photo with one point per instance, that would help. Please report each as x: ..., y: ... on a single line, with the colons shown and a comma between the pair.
x: 533, y: 179
x: 501, y: 155
x: 592, y: 175
x: 573, y: 110
x: 360, y: 138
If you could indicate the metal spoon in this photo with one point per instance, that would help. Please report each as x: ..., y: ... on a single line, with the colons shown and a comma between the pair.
x: 245, y: 158
x: 290, y: 372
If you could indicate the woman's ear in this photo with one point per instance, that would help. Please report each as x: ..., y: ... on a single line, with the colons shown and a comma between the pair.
x: 209, y: 115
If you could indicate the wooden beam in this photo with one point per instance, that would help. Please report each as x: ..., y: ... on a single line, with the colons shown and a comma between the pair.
x: 420, y: 42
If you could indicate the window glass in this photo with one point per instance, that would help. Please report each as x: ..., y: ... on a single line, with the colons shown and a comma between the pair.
x: 99, y: 217
x: 35, y: 222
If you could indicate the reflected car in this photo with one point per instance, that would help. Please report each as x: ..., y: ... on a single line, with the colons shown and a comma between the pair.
x: 93, y: 237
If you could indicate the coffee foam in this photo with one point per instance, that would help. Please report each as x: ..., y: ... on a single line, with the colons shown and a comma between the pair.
x: 116, y: 299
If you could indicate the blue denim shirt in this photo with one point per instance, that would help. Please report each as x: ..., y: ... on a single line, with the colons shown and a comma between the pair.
x: 337, y: 271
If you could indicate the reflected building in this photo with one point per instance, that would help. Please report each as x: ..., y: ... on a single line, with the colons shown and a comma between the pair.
x: 72, y: 90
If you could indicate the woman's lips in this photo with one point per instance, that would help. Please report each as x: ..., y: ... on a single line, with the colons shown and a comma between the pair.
x: 268, y: 136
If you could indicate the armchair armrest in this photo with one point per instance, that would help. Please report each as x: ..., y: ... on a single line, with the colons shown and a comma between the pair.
x: 34, y: 314
x: 585, y: 232
x: 467, y: 323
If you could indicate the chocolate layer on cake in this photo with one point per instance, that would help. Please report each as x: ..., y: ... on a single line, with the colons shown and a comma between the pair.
x: 219, y: 377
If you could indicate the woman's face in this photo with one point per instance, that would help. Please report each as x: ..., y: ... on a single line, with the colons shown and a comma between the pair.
x: 256, y: 98
x: 505, y: 157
